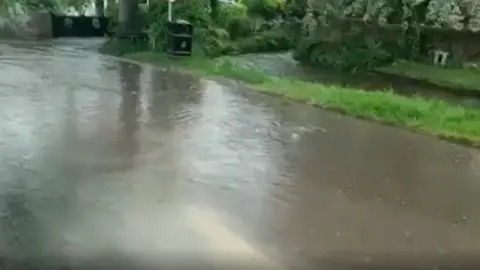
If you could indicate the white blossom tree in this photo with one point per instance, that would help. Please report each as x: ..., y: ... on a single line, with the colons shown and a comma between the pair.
x: 458, y: 14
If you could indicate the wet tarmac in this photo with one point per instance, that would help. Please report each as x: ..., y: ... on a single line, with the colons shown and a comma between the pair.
x: 109, y: 165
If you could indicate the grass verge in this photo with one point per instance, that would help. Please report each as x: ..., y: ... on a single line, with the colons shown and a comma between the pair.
x: 434, y: 117
x: 457, y: 78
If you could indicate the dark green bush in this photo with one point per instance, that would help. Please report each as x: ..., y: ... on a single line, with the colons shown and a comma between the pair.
x: 7, y: 31
x: 354, y: 53
x: 215, y: 41
x: 234, y: 19
x: 240, y: 27
x: 268, y: 9
x: 295, y: 8
x: 304, y: 49
x: 228, y: 12
x: 276, y: 40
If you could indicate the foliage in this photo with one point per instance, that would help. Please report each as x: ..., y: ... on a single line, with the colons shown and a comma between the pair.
x: 355, y: 50
x: 194, y: 11
x: 229, y: 12
x: 7, y: 31
x: 353, y: 53
x: 295, y: 9
x: 459, y: 14
x: 231, y: 32
x: 271, y: 41
x: 275, y: 40
x: 11, y: 7
x: 40, y: 4
x: 268, y: 9
x: 234, y: 18
x: 239, y: 27
x: 215, y: 41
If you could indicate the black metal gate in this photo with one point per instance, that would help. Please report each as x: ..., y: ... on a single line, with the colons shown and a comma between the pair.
x: 78, y: 26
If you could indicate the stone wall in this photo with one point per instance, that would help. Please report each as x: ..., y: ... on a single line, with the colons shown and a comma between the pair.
x: 26, y: 26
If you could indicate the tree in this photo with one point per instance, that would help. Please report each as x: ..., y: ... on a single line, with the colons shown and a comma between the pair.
x: 127, y: 17
x: 13, y: 6
x: 469, y: 14
x: 460, y: 14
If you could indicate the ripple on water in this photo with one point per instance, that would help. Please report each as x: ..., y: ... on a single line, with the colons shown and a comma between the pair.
x: 82, y: 152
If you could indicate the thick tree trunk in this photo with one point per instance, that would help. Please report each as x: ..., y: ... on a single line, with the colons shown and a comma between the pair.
x: 127, y: 17
x: 99, y: 8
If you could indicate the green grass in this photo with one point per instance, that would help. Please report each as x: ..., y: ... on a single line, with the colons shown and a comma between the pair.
x: 201, y: 65
x: 429, y: 116
x: 441, y: 76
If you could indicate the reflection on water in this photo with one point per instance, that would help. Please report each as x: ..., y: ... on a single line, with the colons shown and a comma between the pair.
x: 115, y: 160
x: 130, y: 80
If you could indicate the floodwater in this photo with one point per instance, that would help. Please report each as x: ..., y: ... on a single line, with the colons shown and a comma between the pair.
x: 283, y: 65
x: 110, y: 165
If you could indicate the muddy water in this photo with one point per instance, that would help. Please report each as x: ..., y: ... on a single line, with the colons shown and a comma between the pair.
x: 283, y: 65
x: 106, y: 163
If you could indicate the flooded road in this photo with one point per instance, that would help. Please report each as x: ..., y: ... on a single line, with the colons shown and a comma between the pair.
x: 106, y: 164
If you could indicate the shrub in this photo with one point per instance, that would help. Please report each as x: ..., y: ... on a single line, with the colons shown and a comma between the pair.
x: 228, y: 12
x: 351, y: 54
x: 7, y: 30
x: 214, y: 41
x: 240, y: 27
x: 235, y: 20
x: 268, y: 9
x: 296, y: 8
x: 194, y: 11
x: 304, y: 49
x: 276, y: 40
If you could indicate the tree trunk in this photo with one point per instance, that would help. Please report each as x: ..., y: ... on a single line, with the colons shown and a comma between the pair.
x: 214, y: 9
x: 127, y: 17
x: 99, y: 8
